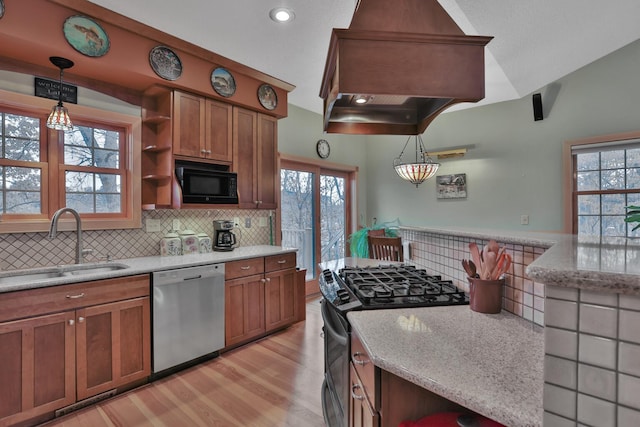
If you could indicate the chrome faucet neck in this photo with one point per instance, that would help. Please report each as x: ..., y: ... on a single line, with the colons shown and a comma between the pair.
x: 53, y: 229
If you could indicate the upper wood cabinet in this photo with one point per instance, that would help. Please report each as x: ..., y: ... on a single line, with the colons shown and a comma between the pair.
x: 202, y: 128
x: 255, y: 158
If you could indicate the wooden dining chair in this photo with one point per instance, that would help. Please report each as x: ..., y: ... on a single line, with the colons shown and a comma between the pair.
x: 385, y: 248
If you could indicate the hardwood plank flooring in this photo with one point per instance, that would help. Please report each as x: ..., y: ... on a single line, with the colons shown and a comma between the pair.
x: 270, y: 383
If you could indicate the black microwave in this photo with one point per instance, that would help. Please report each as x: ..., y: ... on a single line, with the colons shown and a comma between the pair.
x: 207, y: 183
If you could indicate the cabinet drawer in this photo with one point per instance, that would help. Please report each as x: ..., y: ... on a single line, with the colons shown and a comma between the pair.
x: 364, y: 367
x: 35, y: 302
x: 280, y: 262
x: 243, y: 268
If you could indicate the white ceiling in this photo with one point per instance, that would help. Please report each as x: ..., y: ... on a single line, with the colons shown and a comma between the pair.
x: 535, y: 42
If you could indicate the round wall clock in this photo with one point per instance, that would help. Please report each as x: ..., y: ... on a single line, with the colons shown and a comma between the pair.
x: 323, y: 149
x: 165, y: 63
x: 86, y: 36
x: 267, y: 97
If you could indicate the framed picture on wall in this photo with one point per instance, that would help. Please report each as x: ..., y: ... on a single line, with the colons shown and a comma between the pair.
x: 451, y: 186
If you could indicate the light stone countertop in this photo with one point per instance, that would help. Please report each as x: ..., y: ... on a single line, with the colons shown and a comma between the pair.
x: 489, y: 363
x: 607, y: 264
x: 142, y: 265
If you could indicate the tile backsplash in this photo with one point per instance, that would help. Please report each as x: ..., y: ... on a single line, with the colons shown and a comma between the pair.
x: 27, y: 250
x: 443, y: 254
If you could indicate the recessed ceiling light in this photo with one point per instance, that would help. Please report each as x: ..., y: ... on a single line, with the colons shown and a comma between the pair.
x: 282, y: 14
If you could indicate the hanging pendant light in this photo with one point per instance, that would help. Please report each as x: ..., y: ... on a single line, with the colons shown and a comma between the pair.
x: 419, y: 171
x: 59, y: 118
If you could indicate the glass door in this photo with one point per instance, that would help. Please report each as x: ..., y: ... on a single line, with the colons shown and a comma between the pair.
x: 298, y: 207
x: 313, y: 215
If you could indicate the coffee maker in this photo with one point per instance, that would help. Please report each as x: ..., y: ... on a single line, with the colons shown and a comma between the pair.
x: 224, y: 239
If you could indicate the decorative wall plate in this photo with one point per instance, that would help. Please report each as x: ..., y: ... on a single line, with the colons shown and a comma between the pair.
x: 267, y: 97
x: 223, y: 82
x: 86, y: 36
x: 165, y: 63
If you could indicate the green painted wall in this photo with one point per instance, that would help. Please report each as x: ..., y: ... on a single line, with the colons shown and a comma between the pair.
x: 515, y: 167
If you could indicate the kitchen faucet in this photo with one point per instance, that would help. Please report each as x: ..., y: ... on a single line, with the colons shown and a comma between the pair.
x: 53, y: 230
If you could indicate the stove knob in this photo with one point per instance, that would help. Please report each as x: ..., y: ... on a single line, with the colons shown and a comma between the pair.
x: 343, y: 295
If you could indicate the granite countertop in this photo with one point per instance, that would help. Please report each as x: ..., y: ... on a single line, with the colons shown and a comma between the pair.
x: 605, y: 264
x: 490, y: 364
x: 140, y: 265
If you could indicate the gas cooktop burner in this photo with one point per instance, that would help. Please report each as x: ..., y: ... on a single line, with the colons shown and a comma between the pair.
x: 390, y: 286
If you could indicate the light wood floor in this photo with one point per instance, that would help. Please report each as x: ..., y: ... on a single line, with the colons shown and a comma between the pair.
x: 273, y: 382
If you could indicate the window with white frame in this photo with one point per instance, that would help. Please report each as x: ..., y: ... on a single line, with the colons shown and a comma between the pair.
x: 606, y: 179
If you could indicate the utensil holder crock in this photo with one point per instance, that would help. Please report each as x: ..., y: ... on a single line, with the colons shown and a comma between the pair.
x: 485, y: 296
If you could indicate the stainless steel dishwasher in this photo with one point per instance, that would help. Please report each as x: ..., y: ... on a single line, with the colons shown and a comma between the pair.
x: 188, y: 314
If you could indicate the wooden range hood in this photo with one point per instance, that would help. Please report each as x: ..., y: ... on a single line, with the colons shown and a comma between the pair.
x: 408, y: 58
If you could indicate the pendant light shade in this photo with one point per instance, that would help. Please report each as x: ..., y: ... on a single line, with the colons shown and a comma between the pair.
x: 59, y: 117
x: 419, y: 171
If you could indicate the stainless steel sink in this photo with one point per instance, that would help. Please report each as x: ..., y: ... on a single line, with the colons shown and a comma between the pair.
x: 78, y: 269
x: 45, y: 273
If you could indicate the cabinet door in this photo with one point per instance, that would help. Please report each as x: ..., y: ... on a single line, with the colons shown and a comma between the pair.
x: 188, y: 125
x: 245, y: 136
x: 37, y: 368
x: 268, y: 176
x: 113, y: 345
x: 244, y: 309
x: 361, y: 413
x: 218, y: 131
x: 280, y: 298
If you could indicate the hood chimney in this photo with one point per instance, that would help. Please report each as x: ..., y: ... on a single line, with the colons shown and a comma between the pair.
x: 397, y: 66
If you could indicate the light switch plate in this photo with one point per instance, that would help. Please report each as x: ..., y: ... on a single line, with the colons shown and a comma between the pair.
x: 262, y: 222
x: 524, y: 219
x: 176, y: 224
x: 152, y: 225
x: 247, y: 222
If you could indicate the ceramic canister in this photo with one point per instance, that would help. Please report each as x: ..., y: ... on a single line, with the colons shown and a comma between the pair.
x: 170, y: 245
x: 204, y: 243
x: 189, y: 242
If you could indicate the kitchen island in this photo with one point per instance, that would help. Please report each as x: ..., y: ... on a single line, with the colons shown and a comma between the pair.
x: 490, y: 364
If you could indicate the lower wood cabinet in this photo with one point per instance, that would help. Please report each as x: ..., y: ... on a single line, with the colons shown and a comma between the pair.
x: 382, y: 399
x: 50, y: 361
x: 261, y: 295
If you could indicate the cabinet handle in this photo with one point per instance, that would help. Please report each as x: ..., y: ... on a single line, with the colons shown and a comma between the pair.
x: 356, y: 358
x: 268, y: 280
x: 71, y: 322
x: 75, y: 296
x: 282, y: 261
x: 80, y: 319
x: 355, y: 387
x: 203, y: 151
x: 207, y: 152
x: 263, y: 280
x: 245, y: 267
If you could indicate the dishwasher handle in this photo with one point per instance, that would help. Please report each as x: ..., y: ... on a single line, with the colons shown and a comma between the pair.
x: 181, y: 275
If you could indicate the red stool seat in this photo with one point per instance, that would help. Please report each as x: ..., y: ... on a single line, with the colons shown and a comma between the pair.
x: 448, y: 419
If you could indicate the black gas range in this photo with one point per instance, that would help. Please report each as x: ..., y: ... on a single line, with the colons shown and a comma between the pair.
x: 368, y: 288
x: 387, y: 286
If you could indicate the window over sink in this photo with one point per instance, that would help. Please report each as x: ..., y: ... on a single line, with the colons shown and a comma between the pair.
x: 92, y: 169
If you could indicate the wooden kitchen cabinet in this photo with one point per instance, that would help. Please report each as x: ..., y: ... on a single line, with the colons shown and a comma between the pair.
x: 255, y: 152
x: 244, y: 309
x: 157, y: 144
x: 260, y: 297
x: 202, y: 128
x: 280, y: 290
x: 382, y: 399
x: 62, y: 344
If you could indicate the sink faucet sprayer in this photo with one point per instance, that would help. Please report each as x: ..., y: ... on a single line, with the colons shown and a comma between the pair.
x: 53, y: 230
